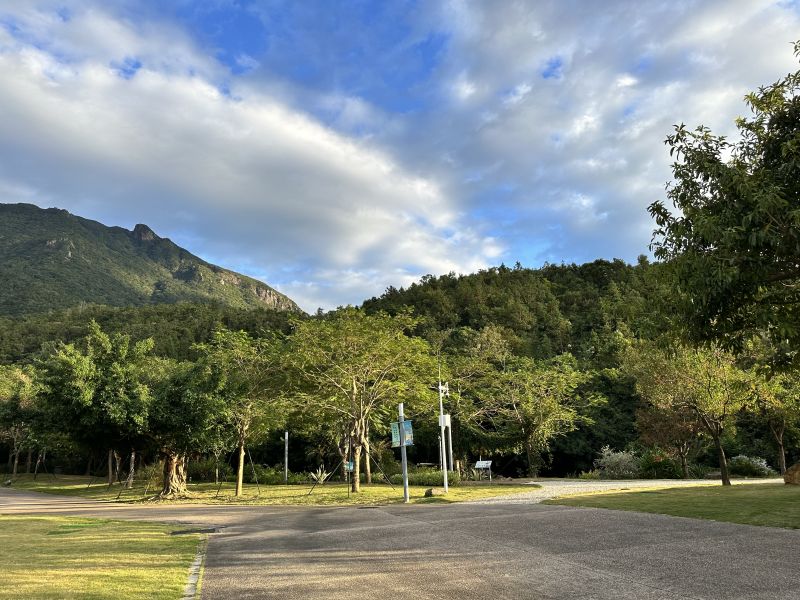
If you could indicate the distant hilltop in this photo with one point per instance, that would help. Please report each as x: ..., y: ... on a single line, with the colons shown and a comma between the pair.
x: 51, y: 259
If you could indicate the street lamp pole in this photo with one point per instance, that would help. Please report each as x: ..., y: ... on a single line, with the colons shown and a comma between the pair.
x: 286, y: 457
x: 443, y: 389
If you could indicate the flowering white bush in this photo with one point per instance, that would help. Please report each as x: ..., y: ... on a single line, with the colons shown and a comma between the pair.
x: 617, y: 465
x: 750, y: 466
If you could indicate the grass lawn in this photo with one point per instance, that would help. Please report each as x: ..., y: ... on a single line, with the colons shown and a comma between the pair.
x: 206, y: 493
x: 70, y: 557
x: 768, y: 504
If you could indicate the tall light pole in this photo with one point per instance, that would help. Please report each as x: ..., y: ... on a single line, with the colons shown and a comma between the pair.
x: 403, y: 459
x: 286, y: 457
x: 443, y: 389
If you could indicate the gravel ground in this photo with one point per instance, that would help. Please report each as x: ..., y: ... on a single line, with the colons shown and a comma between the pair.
x: 554, y: 488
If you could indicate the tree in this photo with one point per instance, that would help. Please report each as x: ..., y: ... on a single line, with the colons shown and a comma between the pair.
x: 96, y: 392
x: 777, y: 401
x: 671, y: 428
x: 185, y: 417
x: 538, y: 401
x: 247, y: 375
x: 18, y: 411
x: 350, y: 366
x: 734, y: 243
x: 705, y: 383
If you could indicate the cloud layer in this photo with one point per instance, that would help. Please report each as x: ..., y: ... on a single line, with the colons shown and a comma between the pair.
x: 508, y: 131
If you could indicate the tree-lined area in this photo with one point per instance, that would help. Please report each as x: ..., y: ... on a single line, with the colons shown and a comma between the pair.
x: 682, y: 368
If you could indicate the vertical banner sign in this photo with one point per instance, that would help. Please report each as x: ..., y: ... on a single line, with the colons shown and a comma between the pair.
x: 395, y: 435
x: 408, y: 434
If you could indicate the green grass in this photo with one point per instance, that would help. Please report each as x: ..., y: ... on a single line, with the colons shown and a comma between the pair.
x: 771, y: 505
x: 296, y: 495
x: 69, y: 557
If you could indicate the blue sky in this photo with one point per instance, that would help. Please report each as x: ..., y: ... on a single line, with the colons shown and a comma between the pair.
x: 335, y: 148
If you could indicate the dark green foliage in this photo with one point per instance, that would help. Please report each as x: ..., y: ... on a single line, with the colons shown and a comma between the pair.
x: 655, y: 464
x: 542, y: 312
x: 174, y: 328
x: 203, y: 470
x: 50, y: 260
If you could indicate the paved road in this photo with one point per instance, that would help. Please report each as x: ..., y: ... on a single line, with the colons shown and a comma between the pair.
x: 468, y: 551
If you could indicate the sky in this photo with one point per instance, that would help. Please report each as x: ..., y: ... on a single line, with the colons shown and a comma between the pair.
x: 333, y: 149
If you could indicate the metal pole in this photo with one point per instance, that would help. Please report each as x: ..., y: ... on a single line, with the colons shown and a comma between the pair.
x: 441, y: 429
x: 450, y: 442
x: 403, y: 459
x: 286, y: 457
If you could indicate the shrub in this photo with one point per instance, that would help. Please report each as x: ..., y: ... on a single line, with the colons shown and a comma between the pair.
x: 747, y: 466
x: 654, y: 464
x: 272, y: 475
x: 427, y: 477
x: 202, y: 470
x: 593, y: 474
x: 617, y: 465
x: 700, y: 471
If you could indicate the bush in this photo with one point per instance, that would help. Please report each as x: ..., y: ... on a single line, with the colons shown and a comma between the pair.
x: 657, y: 465
x: 617, y: 465
x: 700, y: 471
x: 593, y: 474
x: 427, y: 477
x: 272, y: 475
x: 747, y: 466
x: 203, y: 470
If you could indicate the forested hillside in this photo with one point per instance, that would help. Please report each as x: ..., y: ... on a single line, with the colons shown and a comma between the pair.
x: 51, y: 259
x: 174, y: 328
x: 584, y: 310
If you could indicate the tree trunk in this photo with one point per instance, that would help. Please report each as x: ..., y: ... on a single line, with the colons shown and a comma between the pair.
x: 28, y: 461
x: 36, y: 468
x: 723, y: 462
x: 533, y: 470
x: 110, y: 467
x: 684, y: 465
x: 129, y: 481
x: 356, y: 484
x: 16, y: 464
x: 367, y: 465
x: 117, y: 461
x: 174, y: 476
x: 240, y: 469
x: 89, y: 465
x: 777, y: 433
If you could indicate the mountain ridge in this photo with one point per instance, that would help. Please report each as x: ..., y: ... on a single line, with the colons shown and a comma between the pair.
x: 52, y: 259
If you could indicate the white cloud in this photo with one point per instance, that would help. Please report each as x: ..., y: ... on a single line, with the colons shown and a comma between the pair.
x: 542, y: 136
x: 249, y: 180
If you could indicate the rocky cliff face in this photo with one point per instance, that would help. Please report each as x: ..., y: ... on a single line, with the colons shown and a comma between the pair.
x: 51, y: 259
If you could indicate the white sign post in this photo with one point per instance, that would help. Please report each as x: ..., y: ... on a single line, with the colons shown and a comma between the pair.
x: 403, y: 459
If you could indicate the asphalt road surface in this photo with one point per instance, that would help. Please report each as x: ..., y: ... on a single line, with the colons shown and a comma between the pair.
x: 467, y: 551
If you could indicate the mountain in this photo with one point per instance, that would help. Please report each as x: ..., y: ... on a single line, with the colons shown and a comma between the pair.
x: 51, y: 259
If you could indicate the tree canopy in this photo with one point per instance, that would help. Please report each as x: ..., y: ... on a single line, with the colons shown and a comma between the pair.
x: 733, y: 242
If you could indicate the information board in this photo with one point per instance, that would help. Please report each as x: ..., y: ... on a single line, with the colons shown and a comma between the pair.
x: 483, y: 464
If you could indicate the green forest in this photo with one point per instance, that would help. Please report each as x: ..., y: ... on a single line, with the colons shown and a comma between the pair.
x: 684, y: 367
